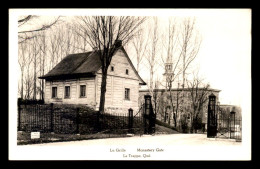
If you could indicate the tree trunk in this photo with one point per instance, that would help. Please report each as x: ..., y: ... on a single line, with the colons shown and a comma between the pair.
x: 34, y: 82
x: 175, y: 121
x: 43, y: 79
x: 103, y: 92
x: 22, y: 86
x: 192, y: 124
x: 169, y: 119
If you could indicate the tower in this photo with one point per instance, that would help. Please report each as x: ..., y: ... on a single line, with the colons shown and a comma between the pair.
x: 168, y: 74
x: 168, y: 77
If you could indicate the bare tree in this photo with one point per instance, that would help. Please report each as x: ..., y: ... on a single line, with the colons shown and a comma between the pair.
x: 27, y: 34
x: 106, y: 34
x: 35, y: 52
x: 53, y: 50
x: 172, y: 64
x: 198, y: 95
x: 79, y: 42
x: 190, y: 42
x: 175, y: 101
x: 28, y: 81
x: 42, y: 43
x: 156, y: 97
x: 22, y: 60
x: 140, y: 46
x: 153, y: 50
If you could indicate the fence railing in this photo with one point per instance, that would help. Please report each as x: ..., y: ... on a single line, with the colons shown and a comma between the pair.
x: 59, y: 119
x: 229, y: 128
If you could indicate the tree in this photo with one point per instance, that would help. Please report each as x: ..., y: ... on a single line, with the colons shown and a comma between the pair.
x: 156, y: 97
x: 172, y: 65
x: 190, y: 42
x: 106, y: 34
x: 43, y: 55
x: 153, y: 50
x: 28, y: 78
x: 140, y: 47
x: 35, y: 52
x: 180, y: 45
x: 198, y: 95
x: 26, y: 34
x: 22, y: 60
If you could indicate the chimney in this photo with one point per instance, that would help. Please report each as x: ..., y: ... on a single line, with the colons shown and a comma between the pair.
x: 118, y: 43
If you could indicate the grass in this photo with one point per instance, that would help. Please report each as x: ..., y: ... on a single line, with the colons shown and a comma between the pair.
x: 24, y: 138
x: 158, y: 122
x: 164, y: 130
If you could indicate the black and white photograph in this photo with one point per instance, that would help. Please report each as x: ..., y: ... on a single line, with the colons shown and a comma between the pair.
x: 130, y: 84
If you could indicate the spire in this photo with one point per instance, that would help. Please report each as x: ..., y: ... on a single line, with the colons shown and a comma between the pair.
x: 169, y: 59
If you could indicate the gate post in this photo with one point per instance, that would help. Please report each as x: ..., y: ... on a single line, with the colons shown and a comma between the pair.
x: 212, y: 118
x: 147, y: 110
x: 130, y: 120
x: 232, y: 114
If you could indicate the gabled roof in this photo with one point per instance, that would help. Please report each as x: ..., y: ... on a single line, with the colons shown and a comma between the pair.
x: 80, y: 65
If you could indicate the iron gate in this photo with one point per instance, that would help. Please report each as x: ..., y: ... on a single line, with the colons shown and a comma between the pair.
x: 229, y: 126
x: 222, y: 124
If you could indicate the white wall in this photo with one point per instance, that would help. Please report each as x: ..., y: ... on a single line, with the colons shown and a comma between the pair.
x: 74, y: 91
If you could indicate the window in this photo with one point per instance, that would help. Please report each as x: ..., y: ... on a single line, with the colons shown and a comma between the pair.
x: 67, y: 91
x: 82, y: 90
x: 168, y: 67
x: 54, y: 92
x: 127, y: 94
x: 112, y: 68
x: 126, y: 71
x: 166, y: 117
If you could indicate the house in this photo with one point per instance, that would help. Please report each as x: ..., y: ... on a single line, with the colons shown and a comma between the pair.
x: 77, y: 80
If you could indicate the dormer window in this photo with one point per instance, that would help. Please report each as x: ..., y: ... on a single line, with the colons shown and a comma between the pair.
x: 126, y: 71
x: 112, y: 68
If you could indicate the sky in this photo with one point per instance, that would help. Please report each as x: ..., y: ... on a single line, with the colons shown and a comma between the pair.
x: 224, y: 59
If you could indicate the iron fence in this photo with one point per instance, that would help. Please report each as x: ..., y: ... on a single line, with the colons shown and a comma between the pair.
x: 49, y: 118
x: 230, y: 128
